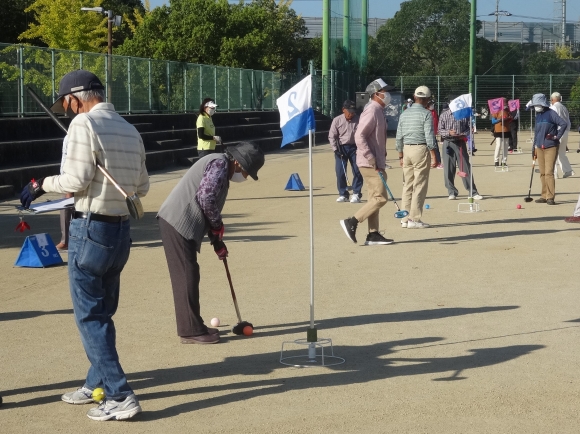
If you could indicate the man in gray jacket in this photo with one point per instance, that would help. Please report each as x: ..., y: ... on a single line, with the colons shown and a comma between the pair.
x: 192, y: 210
x: 371, y: 154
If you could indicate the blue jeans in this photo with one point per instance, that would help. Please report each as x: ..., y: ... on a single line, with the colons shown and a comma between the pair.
x: 97, y: 253
x: 340, y: 166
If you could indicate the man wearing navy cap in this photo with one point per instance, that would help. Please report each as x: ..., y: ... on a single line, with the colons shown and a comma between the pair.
x: 99, y: 234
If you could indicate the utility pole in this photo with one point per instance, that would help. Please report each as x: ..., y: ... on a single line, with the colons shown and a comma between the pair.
x: 563, y: 22
x: 497, y: 13
x: 496, y: 19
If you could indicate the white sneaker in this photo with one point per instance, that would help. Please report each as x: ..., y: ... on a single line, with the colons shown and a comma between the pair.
x: 355, y: 198
x: 79, y: 396
x: 404, y: 224
x: 119, y: 410
x: 416, y: 225
x: 452, y: 197
x: 568, y: 174
x: 387, y: 167
x: 342, y: 199
x: 477, y: 196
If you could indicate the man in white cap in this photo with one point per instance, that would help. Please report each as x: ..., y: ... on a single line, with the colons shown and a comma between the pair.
x: 371, y: 154
x: 562, y: 160
x: 416, y: 144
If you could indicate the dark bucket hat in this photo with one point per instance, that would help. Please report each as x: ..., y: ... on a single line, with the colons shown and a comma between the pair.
x: 250, y: 157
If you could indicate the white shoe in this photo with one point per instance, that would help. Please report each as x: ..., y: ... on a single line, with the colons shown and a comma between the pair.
x: 387, y: 167
x: 342, y: 199
x: 452, y: 197
x: 477, y: 196
x: 416, y: 225
x: 119, y: 410
x: 404, y: 224
x: 568, y: 174
x: 355, y: 198
x: 79, y: 396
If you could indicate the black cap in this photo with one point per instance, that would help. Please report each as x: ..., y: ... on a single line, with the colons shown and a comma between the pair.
x: 75, y: 81
x: 349, y: 105
x: 249, y: 155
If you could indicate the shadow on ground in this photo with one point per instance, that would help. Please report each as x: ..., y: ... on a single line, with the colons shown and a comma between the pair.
x: 364, y: 364
x: 12, y: 316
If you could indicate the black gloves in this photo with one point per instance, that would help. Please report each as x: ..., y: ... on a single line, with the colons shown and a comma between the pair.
x: 338, y: 154
x: 31, y: 192
x: 449, y: 151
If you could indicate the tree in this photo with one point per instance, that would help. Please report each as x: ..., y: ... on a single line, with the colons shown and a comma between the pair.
x: 423, y: 38
x: 13, y: 20
x: 546, y: 62
x: 61, y: 24
x: 264, y: 34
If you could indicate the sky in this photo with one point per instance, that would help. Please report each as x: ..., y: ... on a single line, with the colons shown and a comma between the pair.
x: 387, y: 8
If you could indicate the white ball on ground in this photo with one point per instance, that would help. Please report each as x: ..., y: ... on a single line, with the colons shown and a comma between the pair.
x: 215, y: 322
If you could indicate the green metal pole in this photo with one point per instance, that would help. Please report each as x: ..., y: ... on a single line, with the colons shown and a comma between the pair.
x: 325, y: 52
x: 325, y: 36
x: 472, y: 47
x: 364, y: 39
x: 346, y: 31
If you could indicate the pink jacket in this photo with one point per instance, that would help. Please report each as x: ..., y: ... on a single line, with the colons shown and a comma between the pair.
x: 371, y: 137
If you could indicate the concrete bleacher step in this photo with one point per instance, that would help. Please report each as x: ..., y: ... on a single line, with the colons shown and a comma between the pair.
x: 31, y: 147
x: 170, y: 144
x: 143, y: 127
x: 250, y: 120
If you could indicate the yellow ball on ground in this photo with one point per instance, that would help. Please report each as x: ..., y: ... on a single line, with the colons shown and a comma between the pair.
x: 98, y: 395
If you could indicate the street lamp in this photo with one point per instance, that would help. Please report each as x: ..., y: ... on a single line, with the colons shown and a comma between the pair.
x: 111, y: 20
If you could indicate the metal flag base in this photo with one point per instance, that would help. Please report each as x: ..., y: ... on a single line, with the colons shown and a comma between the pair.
x: 316, y: 355
x: 502, y: 168
x: 312, y: 358
x: 468, y: 207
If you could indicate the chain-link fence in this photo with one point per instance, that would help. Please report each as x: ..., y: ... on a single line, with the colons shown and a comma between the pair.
x: 157, y: 86
x: 135, y: 85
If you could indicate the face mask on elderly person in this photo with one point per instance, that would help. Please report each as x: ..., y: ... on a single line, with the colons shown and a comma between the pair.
x: 386, y: 99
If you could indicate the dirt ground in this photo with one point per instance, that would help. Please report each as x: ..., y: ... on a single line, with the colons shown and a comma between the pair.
x: 470, y: 326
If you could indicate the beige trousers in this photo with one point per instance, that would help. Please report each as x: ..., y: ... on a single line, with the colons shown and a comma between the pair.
x: 547, y: 160
x: 376, y: 198
x: 416, y: 166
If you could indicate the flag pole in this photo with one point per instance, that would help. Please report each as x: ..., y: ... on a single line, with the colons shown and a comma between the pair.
x: 311, y: 333
x: 311, y: 230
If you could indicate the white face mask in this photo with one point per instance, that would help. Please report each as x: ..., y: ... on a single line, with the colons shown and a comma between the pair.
x: 538, y: 108
x: 386, y: 99
x: 238, y: 177
x: 210, y: 111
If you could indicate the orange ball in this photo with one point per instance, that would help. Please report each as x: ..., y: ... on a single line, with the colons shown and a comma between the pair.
x: 248, y: 331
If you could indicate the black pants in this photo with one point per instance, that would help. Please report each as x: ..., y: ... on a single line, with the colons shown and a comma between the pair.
x: 204, y: 153
x: 181, y: 255
x: 514, y: 135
